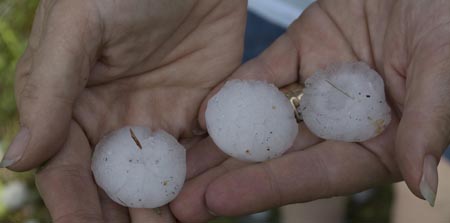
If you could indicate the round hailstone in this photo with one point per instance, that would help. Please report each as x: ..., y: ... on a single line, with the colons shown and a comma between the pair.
x: 251, y: 120
x: 138, y: 168
x: 345, y: 102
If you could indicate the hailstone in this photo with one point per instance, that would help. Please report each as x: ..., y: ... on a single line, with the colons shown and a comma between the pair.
x: 345, y: 102
x: 139, y: 168
x: 251, y: 120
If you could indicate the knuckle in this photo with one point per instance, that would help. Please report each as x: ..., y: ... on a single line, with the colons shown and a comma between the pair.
x: 28, y: 91
x: 275, y: 189
x: 35, y: 91
x: 185, y: 213
x: 325, y: 179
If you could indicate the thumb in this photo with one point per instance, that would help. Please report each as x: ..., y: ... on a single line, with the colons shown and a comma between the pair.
x: 424, y: 130
x: 49, y: 78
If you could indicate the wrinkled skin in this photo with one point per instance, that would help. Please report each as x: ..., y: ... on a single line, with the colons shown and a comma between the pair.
x: 95, y: 66
x: 111, y: 70
x: 408, y: 43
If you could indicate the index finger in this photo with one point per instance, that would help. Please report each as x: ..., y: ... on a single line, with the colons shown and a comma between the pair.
x: 325, y: 170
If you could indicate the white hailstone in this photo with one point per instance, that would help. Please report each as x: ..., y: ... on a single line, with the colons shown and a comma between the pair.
x: 138, y: 168
x: 345, y: 102
x: 251, y: 120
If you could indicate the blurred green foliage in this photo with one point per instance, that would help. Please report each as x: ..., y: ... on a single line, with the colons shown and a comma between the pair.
x: 16, y: 17
x: 15, y: 22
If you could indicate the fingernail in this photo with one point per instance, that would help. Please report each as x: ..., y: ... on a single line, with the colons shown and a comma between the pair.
x: 212, y: 213
x: 16, y: 149
x: 429, y: 182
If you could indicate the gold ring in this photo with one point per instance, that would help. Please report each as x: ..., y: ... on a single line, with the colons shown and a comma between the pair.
x: 294, y: 93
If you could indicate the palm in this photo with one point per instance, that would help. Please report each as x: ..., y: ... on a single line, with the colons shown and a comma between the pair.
x: 155, y: 67
x: 159, y: 76
x: 328, y: 32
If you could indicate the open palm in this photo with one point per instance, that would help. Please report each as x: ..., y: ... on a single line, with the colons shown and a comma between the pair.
x: 95, y: 66
x: 407, y: 43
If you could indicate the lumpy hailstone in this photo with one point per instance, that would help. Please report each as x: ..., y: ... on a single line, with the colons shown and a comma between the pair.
x: 345, y: 102
x: 251, y: 120
x: 139, y: 168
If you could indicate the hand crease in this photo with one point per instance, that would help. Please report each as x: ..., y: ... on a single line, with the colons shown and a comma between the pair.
x: 274, y: 184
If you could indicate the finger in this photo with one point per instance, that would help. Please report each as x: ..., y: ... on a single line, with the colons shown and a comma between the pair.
x: 190, y: 206
x: 66, y: 183
x: 424, y: 130
x: 203, y: 156
x: 338, y: 160
x: 49, y: 80
x: 112, y: 212
x: 157, y: 215
x: 310, y: 171
x: 324, y: 170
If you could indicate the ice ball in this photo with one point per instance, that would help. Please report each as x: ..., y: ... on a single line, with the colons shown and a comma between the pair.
x: 345, y: 102
x: 139, y: 168
x: 251, y: 120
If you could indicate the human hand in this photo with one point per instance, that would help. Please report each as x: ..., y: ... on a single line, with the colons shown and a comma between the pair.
x: 407, y: 43
x: 94, y: 66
